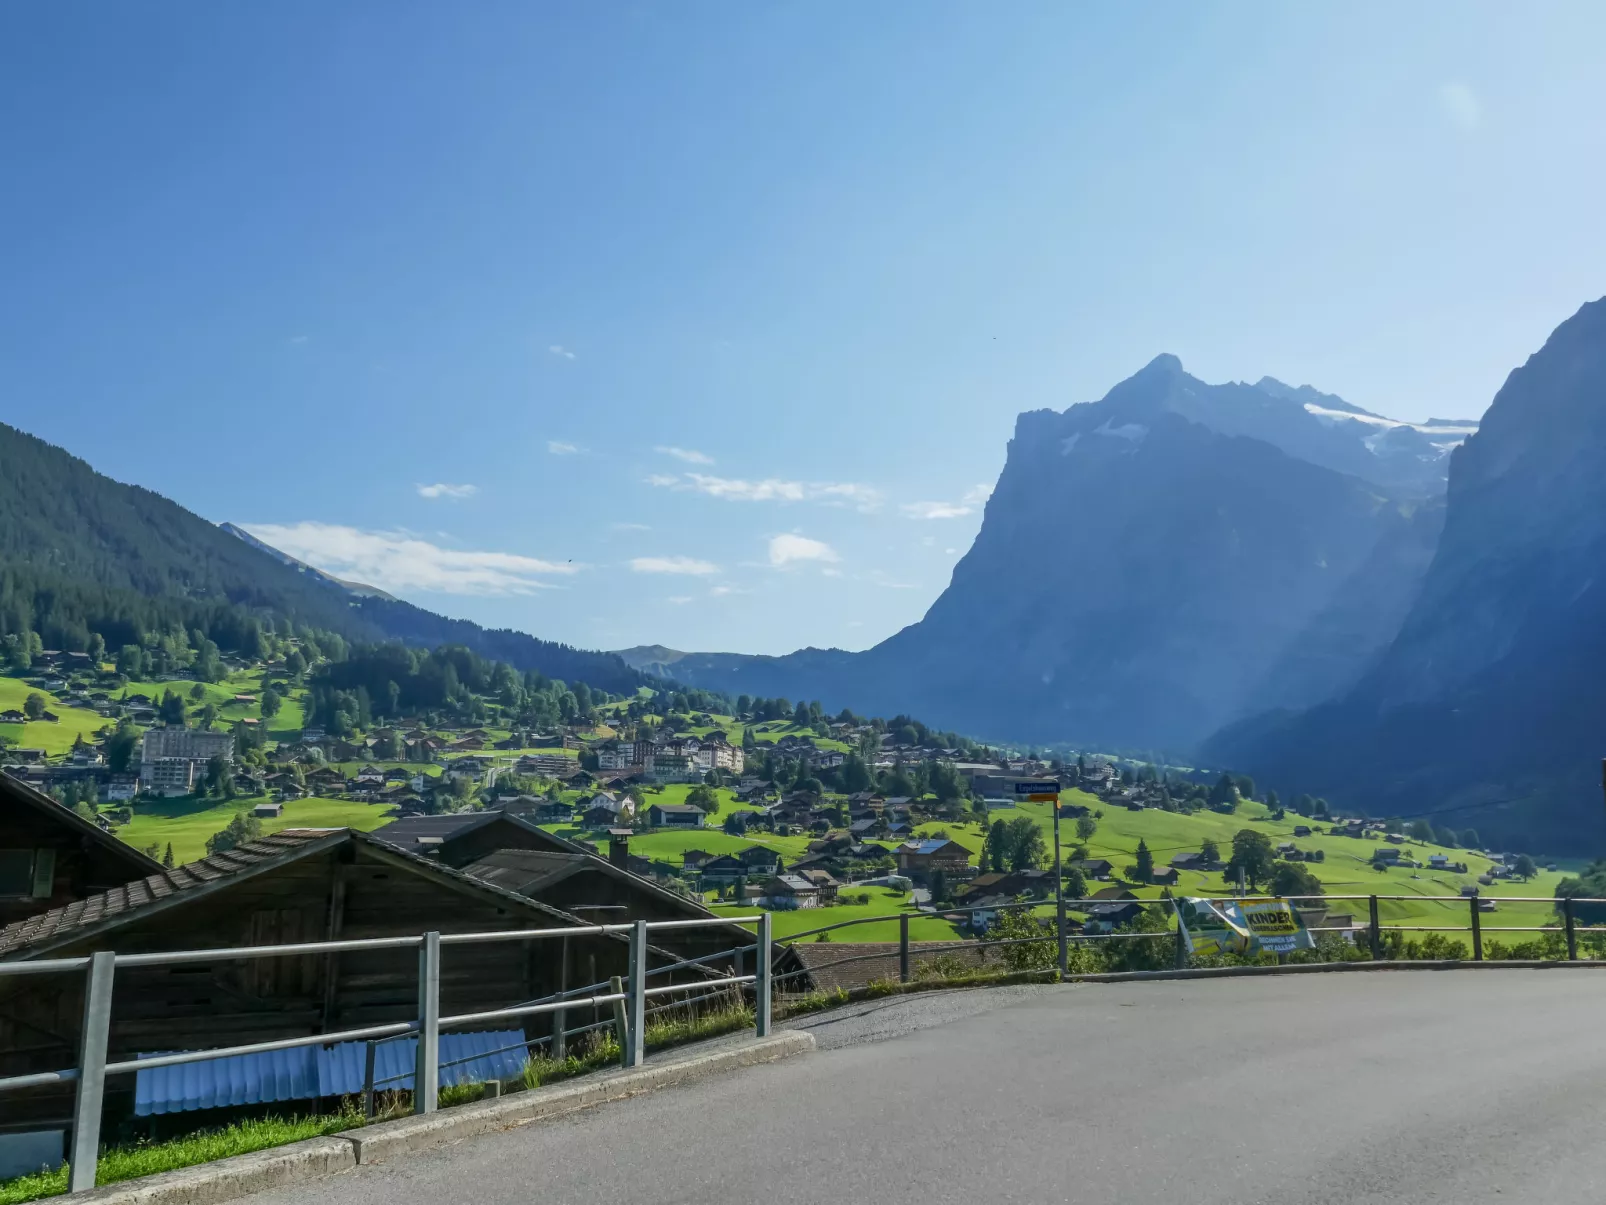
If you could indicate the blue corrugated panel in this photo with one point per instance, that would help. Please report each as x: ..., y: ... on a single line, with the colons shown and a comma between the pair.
x: 309, y: 1071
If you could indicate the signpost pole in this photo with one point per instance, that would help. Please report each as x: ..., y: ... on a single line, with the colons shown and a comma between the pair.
x: 1059, y: 888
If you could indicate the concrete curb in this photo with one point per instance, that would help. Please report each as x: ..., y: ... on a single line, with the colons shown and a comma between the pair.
x: 298, y: 1162
x: 387, y: 1139
x: 236, y: 1176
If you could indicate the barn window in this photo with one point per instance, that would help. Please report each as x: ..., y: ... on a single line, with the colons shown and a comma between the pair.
x: 16, y: 871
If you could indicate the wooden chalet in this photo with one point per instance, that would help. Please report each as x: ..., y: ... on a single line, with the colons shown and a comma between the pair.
x: 458, y: 838
x: 51, y: 856
x: 298, y: 885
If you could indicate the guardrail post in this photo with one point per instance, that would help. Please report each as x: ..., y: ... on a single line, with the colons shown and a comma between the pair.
x: 638, y: 995
x: 1477, y: 931
x: 92, y: 1044
x: 1375, y: 931
x: 560, y: 1019
x: 427, y: 1065
x: 1572, y: 933
x: 368, y: 1079
x: 761, y: 981
x: 621, y: 1023
x: 903, y: 948
x: 1181, y: 959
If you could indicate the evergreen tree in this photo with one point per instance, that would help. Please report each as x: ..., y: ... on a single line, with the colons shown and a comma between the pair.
x: 1143, y: 869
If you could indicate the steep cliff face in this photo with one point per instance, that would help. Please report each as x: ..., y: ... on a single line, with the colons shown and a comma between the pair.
x: 1490, y: 705
x: 1149, y: 566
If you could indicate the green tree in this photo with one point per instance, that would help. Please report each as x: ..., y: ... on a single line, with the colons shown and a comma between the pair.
x: 1143, y: 867
x: 1253, y: 855
x: 271, y: 703
x: 1027, y: 848
x: 1292, y: 880
x: 1209, y: 850
x: 938, y: 885
x: 995, y: 849
x: 1420, y: 830
x: 1224, y: 795
x: 238, y: 831
x: 295, y: 664
x: 171, y: 709
x: 208, y: 715
x: 131, y: 661
x: 167, y: 858
x: 1075, y: 884
x: 1086, y: 826
x: 84, y: 811
x: 198, y: 692
x: 1469, y: 838
x: 1524, y: 867
x: 217, y: 773
x: 121, y: 746
x: 34, y: 706
x: 705, y: 798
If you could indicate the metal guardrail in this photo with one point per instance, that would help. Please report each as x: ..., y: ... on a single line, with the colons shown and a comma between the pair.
x: 629, y: 999
x: 1375, y: 929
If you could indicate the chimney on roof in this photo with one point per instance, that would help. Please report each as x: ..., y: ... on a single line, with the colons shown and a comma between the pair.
x: 619, y: 850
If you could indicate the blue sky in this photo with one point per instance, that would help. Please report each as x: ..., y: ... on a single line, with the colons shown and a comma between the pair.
x: 708, y: 324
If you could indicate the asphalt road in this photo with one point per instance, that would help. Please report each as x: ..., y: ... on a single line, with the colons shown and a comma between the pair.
x: 1461, y: 1087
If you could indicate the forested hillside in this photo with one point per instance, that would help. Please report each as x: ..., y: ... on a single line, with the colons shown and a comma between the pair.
x: 83, y: 556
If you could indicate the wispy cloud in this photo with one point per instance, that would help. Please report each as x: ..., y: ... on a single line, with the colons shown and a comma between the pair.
x: 1461, y: 105
x: 629, y: 527
x: 790, y: 549
x: 689, y: 455
x: 973, y: 498
x: 442, y: 490
x: 401, y: 561
x: 563, y: 353
x: 679, y: 600
x: 673, y: 564
x: 863, y: 498
x: 559, y: 448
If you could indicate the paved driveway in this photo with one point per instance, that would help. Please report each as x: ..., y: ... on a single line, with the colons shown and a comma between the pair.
x: 1459, y: 1087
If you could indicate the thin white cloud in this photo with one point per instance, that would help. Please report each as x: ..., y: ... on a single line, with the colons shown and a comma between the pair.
x: 563, y: 353
x: 689, y: 455
x: 934, y: 510
x: 1461, y: 105
x: 974, y: 497
x: 789, y: 549
x: 630, y: 527
x: 864, y: 498
x: 400, y: 561
x: 679, y: 600
x: 673, y: 564
x: 442, y: 490
x: 559, y: 448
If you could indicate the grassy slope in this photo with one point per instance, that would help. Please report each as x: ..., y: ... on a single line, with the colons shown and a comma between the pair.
x: 55, y: 738
x: 186, y: 823
x: 1346, y: 871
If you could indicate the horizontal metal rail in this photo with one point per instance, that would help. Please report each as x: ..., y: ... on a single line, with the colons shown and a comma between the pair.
x: 39, y: 1079
x: 684, y: 987
x: 226, y: 1052
x: 230, y: 954
x: 44, y: 966
x: 529, y: 1010
x: 692, y: 962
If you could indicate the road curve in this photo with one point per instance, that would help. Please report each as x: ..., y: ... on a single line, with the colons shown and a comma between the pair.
x: 1410, y: 1087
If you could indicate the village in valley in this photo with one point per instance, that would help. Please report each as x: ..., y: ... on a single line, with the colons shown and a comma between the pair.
x: 734, y: 804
